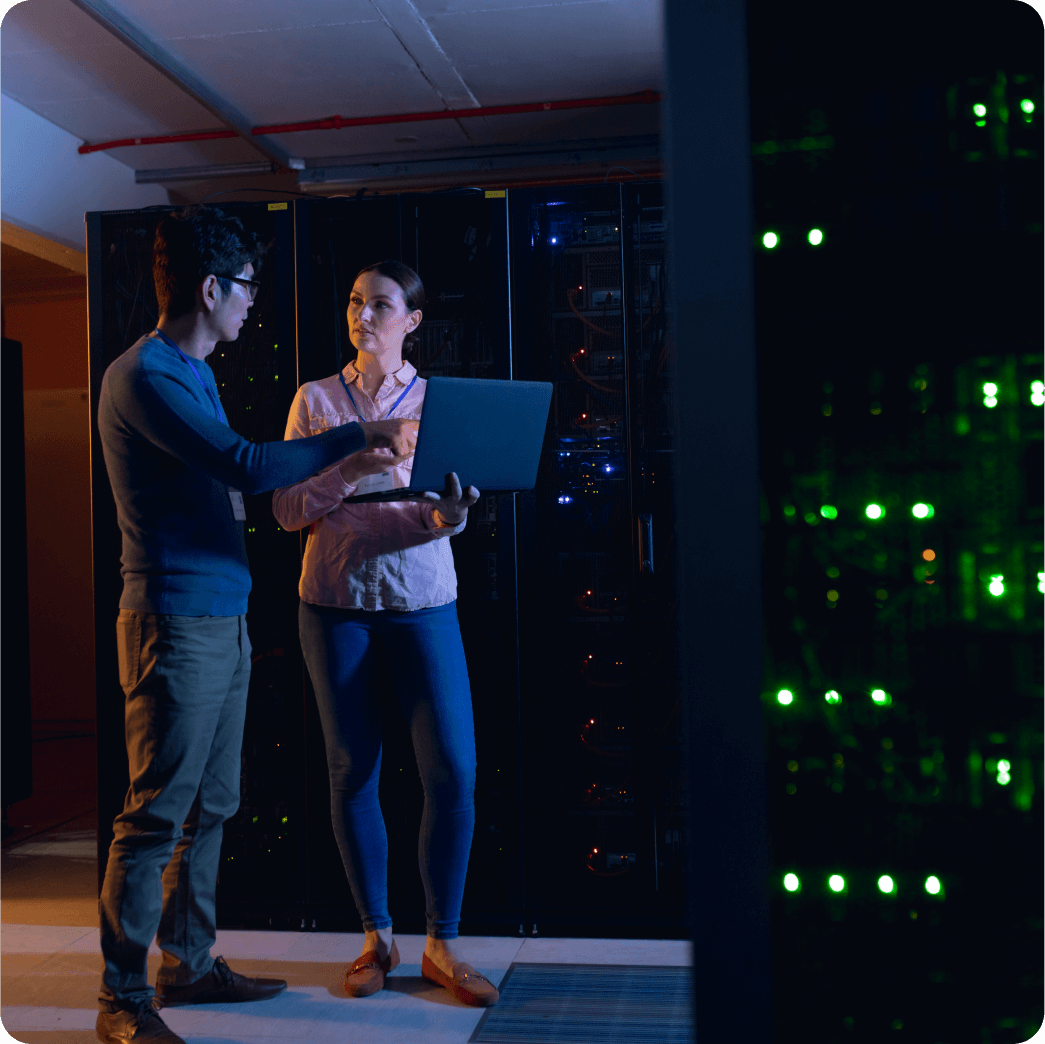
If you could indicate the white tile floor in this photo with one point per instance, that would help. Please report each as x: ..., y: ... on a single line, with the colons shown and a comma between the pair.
x: 50, y: 977
x: 50, y: 965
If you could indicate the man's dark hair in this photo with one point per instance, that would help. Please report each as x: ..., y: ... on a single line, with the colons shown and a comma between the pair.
x: 190, y: 245
x: 413, y: 292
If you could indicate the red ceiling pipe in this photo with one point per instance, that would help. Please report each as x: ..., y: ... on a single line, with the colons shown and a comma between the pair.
x: 337, y: 122
x: 160, y: 139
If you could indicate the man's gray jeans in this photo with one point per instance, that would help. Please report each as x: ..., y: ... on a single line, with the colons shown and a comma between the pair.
x: 185, y: 680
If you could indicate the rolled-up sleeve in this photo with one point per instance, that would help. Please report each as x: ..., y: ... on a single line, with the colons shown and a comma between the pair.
x: 430, y: 522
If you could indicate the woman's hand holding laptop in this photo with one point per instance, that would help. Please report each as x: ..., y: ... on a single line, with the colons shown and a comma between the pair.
x: 452, y: 505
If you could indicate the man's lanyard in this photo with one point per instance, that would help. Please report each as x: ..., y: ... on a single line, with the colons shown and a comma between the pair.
x: 211, y: 394
x: 394, y: 404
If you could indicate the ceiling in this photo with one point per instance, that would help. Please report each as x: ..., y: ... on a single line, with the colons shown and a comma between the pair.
x: 110, y: 69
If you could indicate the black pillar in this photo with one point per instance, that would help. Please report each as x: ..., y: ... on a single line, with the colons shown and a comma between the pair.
x: 16, y: 732
x: 708, y: 148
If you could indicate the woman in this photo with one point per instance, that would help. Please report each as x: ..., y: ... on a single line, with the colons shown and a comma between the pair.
x: 378, y: 614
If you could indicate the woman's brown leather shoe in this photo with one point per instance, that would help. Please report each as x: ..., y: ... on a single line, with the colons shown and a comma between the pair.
x: 367, y: 972
x: 466, y: 984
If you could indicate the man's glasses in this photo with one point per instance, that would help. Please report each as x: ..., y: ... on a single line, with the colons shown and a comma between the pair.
x: 251, y: 285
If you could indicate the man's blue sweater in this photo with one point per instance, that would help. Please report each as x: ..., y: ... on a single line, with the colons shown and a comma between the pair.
x: 171, y: 464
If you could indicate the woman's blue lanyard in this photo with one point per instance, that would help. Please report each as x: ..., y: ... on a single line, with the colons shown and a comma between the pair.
x: 394, y: 404
x: 211, y: 394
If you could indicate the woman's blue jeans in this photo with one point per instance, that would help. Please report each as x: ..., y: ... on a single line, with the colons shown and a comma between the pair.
x: 357, y: 659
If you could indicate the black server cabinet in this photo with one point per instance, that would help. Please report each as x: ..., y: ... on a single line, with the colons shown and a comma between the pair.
x: 565, y: 593
x: 457, y: 242
x: 602, y: 750
x: 280, y: 865
x: 16, y: 733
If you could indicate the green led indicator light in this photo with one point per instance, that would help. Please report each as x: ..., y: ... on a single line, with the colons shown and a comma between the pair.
x: 997, y: 585
x: 1027, y: 106
x: 785, y: 697
x: 792, y: 883
x: 874, y: 511
x: 816, y: 236
x: 829, y: 511
x: 1004, y: 770
x: 922, y: 511
x: 770, y: 240
x: 886, y: 884
x: 1037, y: 393
x: 979, y: 109
x: 881, y: 697
x: 1041, y: 583
x: 932, y: 885
x: 832, y: 697
x: 990, y: 395
x: 836, y: 882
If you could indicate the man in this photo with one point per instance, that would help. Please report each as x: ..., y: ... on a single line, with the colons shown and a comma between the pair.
x: 178, y: 474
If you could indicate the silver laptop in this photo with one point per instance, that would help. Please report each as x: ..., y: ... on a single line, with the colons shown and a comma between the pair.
x: 489, y: 432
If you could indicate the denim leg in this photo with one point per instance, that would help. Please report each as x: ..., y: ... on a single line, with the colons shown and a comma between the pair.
x: 176, y: 672
x: 430, y: 675
x: 339, y: 652
x: 188, y: 921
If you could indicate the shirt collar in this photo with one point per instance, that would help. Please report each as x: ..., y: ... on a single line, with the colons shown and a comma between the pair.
x: 403, y: 376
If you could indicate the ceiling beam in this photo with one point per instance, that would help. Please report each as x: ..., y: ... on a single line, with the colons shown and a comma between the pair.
x: 472, y: 166
x: 135, y: 40
x: 163, y: 175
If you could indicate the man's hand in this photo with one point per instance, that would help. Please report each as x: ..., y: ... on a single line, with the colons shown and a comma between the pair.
x: 366, y: 462
x: 399, y: 436
x: 452, y: 505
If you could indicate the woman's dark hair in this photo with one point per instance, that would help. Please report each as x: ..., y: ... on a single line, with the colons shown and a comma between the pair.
x: 190, y: 245
x: 413, y: 292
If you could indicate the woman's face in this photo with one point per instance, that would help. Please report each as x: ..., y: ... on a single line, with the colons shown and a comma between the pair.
x: 378, y: 319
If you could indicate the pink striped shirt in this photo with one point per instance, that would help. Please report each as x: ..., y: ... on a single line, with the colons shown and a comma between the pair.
x: 364, y: 556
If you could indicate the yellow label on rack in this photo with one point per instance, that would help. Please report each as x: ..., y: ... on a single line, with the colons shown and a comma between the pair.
x: 495, y: 193
x: 277, y: 206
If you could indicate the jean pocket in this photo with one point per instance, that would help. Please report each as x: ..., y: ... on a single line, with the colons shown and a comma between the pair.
x: 128, y: 649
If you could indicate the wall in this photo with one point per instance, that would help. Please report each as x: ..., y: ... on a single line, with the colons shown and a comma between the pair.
x: 48, y: 186
x: 58, y: 504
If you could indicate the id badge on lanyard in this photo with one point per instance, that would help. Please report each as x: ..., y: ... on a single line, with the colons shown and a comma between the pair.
x: 239, y: 510
x: 376, y: 483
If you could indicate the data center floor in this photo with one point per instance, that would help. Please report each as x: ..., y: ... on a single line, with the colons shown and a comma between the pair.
x: 51, y: 963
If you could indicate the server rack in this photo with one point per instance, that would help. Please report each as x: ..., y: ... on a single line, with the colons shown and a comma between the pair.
x: 605, y: 801
x: 518, y: 562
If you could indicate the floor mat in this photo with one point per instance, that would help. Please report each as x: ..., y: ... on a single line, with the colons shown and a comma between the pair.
x: 590, y: 1004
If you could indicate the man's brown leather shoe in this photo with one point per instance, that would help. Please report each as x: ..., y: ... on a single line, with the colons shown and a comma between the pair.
x: 124, y: 1027
x: 220, y: 986
x: 366, y: 974
x: 466, y: 984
